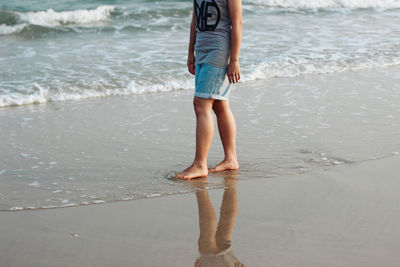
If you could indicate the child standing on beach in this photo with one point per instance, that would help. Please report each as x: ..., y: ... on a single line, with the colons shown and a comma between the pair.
x: 214, y: 46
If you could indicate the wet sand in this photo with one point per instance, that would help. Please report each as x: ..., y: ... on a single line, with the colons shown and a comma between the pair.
x: 346, y: 216
x: 318, y: 184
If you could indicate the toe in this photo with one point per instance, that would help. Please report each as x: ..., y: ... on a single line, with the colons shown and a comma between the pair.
x: 178, y: 176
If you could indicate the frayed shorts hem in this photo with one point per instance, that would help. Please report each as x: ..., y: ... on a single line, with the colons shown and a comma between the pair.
x: 208, y: 96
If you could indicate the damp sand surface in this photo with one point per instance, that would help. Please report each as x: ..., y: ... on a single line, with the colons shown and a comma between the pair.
x: 345, y: 216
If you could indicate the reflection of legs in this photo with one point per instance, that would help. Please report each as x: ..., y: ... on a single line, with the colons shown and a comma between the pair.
x: 204, y: 135
x: 207, y: 222
x: 228, y: 213
x: 227, y: 132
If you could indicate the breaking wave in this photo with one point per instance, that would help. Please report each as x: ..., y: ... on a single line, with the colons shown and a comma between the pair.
x: 43, y: 94
x: 293, y: 67
x: 15, y: 22
x: 352, y: 4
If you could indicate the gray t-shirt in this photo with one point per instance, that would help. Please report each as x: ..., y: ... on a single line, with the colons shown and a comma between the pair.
x: 213, y: 32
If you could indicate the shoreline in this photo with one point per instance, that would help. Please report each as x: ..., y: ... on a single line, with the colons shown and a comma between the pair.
x: 119, y: 148
x: 187, y: 90
x: 196, y: 180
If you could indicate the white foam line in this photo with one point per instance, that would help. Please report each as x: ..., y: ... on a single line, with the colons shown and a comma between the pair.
x: 11, y: 29
x: 292, y: 67
x: 43, y: 94
x: 353, y: 4
x: 54, y: 18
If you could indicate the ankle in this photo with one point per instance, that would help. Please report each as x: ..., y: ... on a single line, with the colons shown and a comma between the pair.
x: 200, y: 164
x: 231, y: 158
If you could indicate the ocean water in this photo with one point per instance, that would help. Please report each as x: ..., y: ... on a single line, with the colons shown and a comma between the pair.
x: 321, y: 60
x: 70, y: 50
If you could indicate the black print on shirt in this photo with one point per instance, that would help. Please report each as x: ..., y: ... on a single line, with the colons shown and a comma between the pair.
x: 203, y: 12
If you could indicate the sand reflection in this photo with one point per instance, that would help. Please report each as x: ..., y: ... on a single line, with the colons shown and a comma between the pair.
x: 215, y: 240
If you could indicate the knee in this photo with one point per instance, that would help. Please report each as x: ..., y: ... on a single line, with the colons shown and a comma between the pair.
x: 200, y: 107
x: 220, y: 106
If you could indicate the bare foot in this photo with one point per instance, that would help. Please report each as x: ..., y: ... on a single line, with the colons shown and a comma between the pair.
x: 225, y: 165
x: 193, y: 171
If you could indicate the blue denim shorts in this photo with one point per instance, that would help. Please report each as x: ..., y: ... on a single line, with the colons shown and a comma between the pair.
x: 211, y: 82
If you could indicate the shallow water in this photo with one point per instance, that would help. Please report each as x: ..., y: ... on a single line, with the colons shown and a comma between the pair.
x: 123, y: 148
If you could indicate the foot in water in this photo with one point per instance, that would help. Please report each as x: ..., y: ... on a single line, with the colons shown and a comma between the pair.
x: 225, y: 165
x: 193, y: 171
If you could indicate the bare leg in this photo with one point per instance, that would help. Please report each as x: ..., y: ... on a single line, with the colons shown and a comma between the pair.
x: 204, y: 135
x: 207, y: 222
x: 227, y: 132
x: 228, y: 214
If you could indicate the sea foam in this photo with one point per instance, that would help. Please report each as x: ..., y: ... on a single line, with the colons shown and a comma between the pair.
x: 293, y: 67
x: 11, y: 29
x: 352, y: 4
x: 43, y: 94
x: 54, y: 18
x: 51, y: 18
